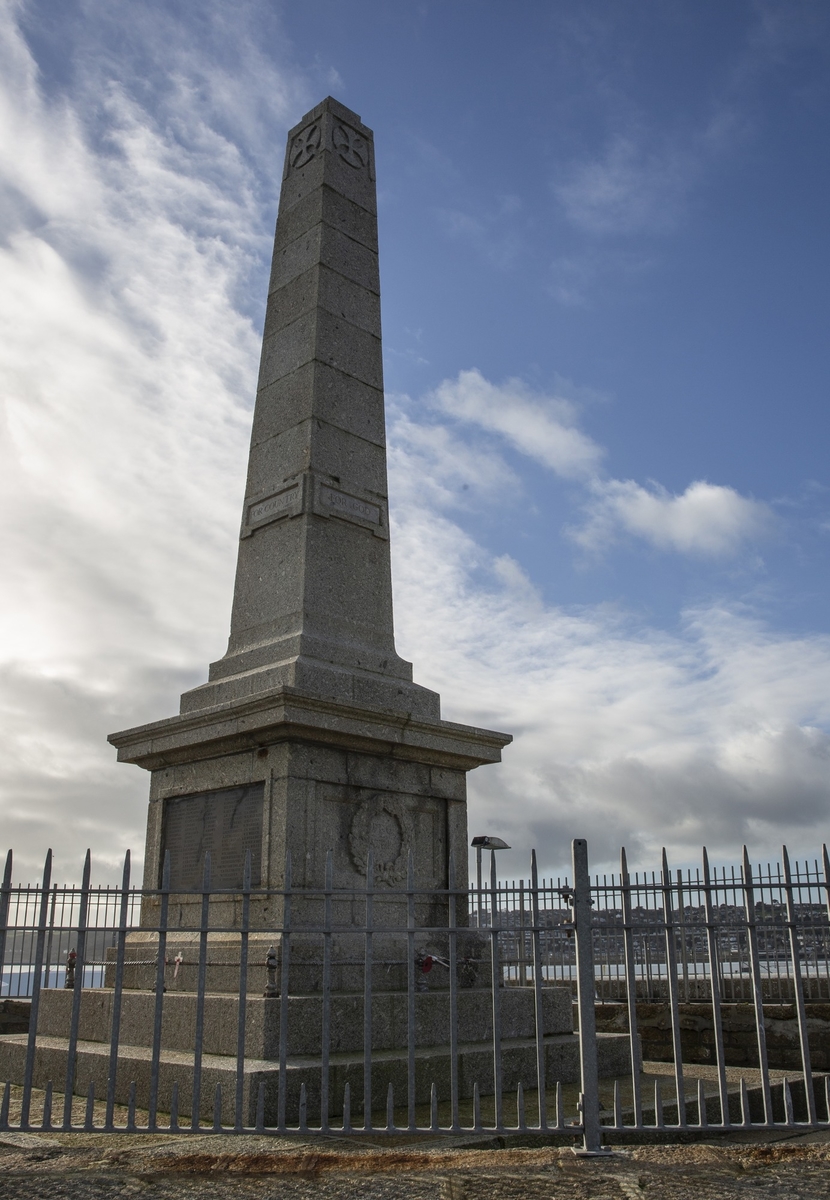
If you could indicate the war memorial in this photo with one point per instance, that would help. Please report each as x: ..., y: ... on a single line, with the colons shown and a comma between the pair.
x: 309, y: 772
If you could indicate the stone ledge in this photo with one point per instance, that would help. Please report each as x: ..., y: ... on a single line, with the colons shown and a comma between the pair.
x: 285, y: 714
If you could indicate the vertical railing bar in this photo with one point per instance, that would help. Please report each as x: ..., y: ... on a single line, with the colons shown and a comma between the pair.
x: 118, y: 988
x: 89, y: 1123
x: 285, y: 952
x: 174, y: 1107
x: 5, y: 904
x: 204, y: 917
x: 715, y: 980
x: 745, y: 1120
x: 410, y: 991
x: 159, y: 1003
x: 798, y: 992
x: 681, y: 920
x: 326, y: 1013
x: 28, y: 1072
x: 495, y: 983
x: 367, y: 992
x: 4, y: 1105
x: 347, y: 1108
x: 260, y: 1108
x: 826, y: 885
x: 757, y: 986
x: 77, y: 992
x: 521, y: 933
x: 585, y: 990
x: 239, y: 1099
x: 302, y: 1122
x: 453, y: 961
x: 671, y: 973
x: 538, y: 998
x: 702, y: 1117
x: 46, y: 1123
x: 50, y: 941
x: 631, y: 990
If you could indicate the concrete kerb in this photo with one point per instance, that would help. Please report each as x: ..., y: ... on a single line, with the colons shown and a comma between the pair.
x: 255, y: 1154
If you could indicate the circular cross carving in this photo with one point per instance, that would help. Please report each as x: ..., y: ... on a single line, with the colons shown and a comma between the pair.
x: 305, y: 146
x: 350, y: 146
x: 383, y: 825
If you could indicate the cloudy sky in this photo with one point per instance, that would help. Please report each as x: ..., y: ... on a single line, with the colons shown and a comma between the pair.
x: 604, y: 261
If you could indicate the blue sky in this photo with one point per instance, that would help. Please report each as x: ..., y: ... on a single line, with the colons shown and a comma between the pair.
x: 604, y: 263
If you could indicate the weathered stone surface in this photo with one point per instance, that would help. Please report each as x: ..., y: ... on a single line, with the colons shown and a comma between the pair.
x: 311, y: 704
x: 224, y: 823
x: 740, y: 1039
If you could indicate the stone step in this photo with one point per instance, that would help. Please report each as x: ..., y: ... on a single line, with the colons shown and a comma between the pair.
x: 305, y: 1014
x: 432, y: 1065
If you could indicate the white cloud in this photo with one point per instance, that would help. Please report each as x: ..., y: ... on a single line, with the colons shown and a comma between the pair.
x: 123, y: 443
x: 543, y: 427
x: 127, y: 236
x: 626, y: 189
x: 627, y: 735
x: 433, y: 465
x: 706, y: 519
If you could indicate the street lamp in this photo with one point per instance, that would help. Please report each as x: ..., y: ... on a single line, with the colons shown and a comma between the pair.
x: 484, y: 843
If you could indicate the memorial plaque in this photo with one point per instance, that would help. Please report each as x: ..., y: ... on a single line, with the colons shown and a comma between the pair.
x: 226, y: 823
x: 349, y: 507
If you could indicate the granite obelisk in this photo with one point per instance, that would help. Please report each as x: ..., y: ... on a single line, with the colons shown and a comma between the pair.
x: 310, y: 735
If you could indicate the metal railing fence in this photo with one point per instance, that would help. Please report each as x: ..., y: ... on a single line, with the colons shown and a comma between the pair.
x: 381, y: 1009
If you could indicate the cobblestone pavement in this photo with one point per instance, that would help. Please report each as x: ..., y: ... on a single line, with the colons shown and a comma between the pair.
x: 95, y: 1167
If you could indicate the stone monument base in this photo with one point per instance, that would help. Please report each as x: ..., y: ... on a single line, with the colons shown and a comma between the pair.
x: 303, y: 1056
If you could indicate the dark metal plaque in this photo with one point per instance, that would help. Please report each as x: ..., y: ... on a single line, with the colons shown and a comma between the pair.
x: 226, y: 823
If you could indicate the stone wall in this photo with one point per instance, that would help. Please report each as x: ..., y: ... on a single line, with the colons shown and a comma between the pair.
x: 14, y: 1016
x: 740, y: 1040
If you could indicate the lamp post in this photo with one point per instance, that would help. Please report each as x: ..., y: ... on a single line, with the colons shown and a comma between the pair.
x: 484, y: 843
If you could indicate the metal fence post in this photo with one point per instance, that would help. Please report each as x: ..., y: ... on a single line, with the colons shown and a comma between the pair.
x: 798, y: 989
x: 538, y: 1007
x: 78, y: 981
x: 117, y: 994
x: 5, y: 900
x: 496, y: 985
x: 585, y: 994
x: 631, y: 988
x: 242, y: 1011
x: 757, y: 986
x: 674, y: 1004
x: 28, y: 1073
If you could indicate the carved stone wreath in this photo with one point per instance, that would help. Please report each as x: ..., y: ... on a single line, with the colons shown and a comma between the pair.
x: 360, y: 838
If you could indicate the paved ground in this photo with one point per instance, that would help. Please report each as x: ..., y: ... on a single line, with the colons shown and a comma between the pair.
x: 97, y: 1167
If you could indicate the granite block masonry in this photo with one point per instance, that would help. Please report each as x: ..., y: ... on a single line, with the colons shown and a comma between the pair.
x: 310, y: 734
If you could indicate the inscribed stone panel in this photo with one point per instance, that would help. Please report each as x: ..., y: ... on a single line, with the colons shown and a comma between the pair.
x: 226, y: 823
